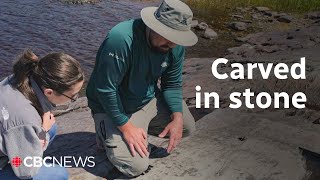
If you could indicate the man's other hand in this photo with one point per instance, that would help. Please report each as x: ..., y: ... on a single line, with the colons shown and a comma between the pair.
x: 174, y: 129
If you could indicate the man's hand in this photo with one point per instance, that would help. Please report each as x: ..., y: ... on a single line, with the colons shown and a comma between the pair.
x: 48, y: 120
x: 174, y: 128
x: 136, y: 138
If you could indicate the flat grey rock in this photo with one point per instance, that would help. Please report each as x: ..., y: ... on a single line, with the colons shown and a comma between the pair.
x: 194, y: 23
x: 239, y: 26
x: 202, y: 26
x: 241, y: 39
x: 244, y: 49
x: 285, y: 18
x: 210, y: 34
x: 270, y: 13
x: 228, y: 144
x: 237, y: 145
x: 81, y: 102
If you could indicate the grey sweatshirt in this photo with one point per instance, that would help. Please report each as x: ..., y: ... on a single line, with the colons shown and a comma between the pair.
x: 20, y: 130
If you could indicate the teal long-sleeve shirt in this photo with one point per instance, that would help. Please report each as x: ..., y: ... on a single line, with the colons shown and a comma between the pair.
x: 127, y: 71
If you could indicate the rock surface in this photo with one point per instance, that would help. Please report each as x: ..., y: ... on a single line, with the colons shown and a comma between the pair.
x: 285, y: 18
x: 210, y: 34
x: 228, y: 144
x: 239, y: 26
x: 298, y: 38
x: 194, y: 23
x: 202, y: 26
x: 313, y: 15
x: 235, y: 145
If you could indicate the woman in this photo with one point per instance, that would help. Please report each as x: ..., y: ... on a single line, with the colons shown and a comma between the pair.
x: 26, y: 100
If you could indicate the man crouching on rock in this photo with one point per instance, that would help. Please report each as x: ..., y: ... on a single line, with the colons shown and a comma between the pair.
x: 123, y: 91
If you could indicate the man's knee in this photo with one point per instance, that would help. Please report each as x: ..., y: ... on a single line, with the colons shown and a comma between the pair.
x: 131, y: 167
x: 189, y: 124
x: 138, y: 167
x: 188, y: 130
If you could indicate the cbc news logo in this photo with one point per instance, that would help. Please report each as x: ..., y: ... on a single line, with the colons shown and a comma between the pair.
x: 65, y: 161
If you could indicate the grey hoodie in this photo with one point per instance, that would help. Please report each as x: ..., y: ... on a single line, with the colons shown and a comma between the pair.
x: 20, y: 129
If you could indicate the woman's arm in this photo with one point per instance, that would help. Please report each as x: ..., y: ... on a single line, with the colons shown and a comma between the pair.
x: 48, y: 120
x: 23, y: 141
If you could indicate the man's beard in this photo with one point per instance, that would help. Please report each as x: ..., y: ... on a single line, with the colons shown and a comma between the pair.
x: 164, y: 49
x: 161, y: 49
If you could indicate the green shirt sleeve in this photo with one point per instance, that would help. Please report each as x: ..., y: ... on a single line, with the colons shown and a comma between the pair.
x: 113, y: 60
x: 171, y: 81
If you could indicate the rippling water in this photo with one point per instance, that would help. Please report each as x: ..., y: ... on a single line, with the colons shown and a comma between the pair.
x: 49, y: 25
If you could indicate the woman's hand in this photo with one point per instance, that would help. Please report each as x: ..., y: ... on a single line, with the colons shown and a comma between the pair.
x: 43, y: 143
x: 47, y: 121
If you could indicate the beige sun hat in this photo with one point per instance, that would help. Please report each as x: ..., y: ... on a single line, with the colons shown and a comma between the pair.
x: 172, y: 20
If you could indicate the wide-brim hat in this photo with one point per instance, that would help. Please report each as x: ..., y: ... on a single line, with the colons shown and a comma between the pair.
x: 172, y: 20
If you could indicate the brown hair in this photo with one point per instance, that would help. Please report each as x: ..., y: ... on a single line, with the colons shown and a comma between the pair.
x: 57, y: 71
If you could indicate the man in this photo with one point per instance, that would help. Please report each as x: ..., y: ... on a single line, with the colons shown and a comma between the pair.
x: 123, y: 91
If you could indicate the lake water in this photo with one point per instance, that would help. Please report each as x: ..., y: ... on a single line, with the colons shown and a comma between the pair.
x: 50, y: 26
